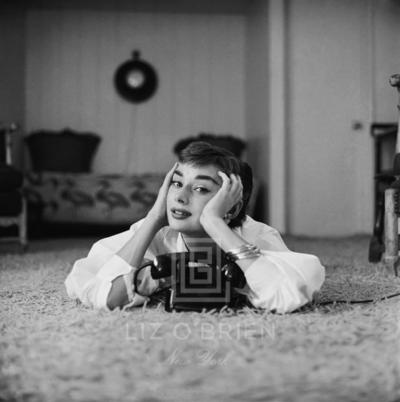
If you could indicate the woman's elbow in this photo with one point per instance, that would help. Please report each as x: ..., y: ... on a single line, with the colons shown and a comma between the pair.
x: 314, y: 274
x: 290, y: 295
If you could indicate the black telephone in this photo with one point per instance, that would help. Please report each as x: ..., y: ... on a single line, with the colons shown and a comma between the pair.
x: 199, y: 280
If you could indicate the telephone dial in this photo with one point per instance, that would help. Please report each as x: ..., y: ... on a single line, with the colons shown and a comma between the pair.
x: 199, y: 281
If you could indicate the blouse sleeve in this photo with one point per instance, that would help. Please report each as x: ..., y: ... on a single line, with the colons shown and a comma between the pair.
x: 283, y: 281
x: 91, y: 277
x: 280, y: 280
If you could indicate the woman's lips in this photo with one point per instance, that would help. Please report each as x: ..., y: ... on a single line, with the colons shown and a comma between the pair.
x: 180, y: 213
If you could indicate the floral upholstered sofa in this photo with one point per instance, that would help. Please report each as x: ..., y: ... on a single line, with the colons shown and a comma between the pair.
x: 91, y: 198
x: 61, y: 189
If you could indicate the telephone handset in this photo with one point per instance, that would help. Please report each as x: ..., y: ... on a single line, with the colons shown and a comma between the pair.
x: 199, y: 280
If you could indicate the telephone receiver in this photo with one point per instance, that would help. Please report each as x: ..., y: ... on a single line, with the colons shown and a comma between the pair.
x: 167, y: 265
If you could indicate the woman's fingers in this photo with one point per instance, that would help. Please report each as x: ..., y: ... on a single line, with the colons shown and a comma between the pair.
x: 158, y: 210
x: 162, y: 192
x: 225, y: 179
x: 232, y: 186
x: 236, y: 187
x: 172, y: 171
x: 233, y: 183
x: 168, y: 176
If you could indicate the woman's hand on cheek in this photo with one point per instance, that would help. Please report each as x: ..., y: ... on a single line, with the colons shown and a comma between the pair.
x: 230, y: 193
x: 159, y: 209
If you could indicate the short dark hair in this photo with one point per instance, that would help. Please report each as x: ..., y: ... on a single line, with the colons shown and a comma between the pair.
x: 199, y: 153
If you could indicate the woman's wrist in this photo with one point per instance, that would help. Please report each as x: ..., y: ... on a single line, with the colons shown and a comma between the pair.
x: 211, y: 222
x: 221, y: 233
x: 230, y: 242
x: 156, y: 220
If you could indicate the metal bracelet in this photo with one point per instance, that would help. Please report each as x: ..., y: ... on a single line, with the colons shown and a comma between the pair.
x: 245, y: 251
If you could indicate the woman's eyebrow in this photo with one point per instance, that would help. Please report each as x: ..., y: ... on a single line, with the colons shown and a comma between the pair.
x: 206, y: 177
x: 199, y: 177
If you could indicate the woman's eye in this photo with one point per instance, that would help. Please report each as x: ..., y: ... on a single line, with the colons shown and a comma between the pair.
x: 176, y: 183
x: 202, y: 190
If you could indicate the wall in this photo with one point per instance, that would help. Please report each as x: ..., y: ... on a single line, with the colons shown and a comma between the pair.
x: 257, y: 102
x: 386, y: 61
x: 12, y: 68
x: 339, y: 55
x: 225, y: 7
x: 72, y: 55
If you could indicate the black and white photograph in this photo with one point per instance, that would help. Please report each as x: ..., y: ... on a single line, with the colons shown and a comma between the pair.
x: 199, y: 200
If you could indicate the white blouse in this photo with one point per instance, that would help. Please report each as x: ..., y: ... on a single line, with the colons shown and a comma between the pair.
x: 279, y: 279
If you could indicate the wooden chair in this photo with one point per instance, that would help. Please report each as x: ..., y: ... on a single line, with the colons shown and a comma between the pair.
x: 384, y: 135
x: 390, y: 247
x: 13, y: 210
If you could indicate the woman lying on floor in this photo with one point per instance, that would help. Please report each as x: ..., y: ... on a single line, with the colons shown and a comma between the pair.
x: 203, y: 199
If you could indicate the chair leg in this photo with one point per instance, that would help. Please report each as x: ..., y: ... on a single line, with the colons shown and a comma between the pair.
x: 23, y: 226
x: 391, y: 256
x: 376, y: 246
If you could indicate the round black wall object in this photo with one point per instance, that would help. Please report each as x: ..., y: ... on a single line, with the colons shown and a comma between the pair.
x: 136, y: 80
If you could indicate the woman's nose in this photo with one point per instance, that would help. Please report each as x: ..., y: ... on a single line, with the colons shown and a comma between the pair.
x: 182, y: 196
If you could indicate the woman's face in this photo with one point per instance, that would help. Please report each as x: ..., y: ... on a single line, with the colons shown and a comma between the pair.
x: 190, y: 190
